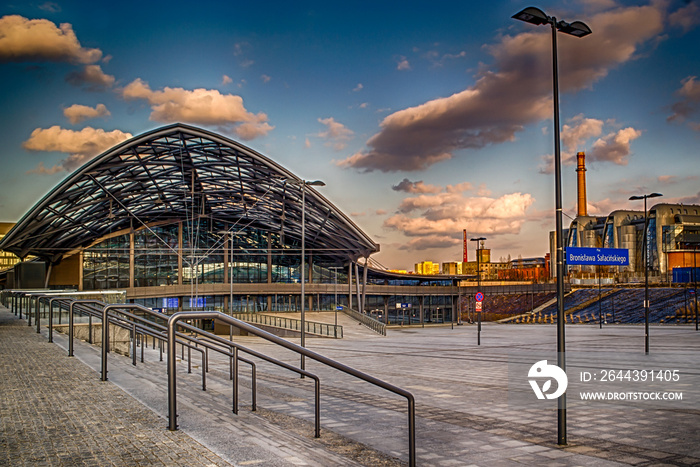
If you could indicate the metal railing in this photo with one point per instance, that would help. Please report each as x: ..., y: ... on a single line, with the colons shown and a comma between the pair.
x: 140, y: 327
x: 373, y: 324
x: 312, y: 327
x: 217, y: 316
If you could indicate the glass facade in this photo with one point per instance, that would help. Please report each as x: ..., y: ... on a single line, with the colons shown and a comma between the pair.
x: 205, y: 255
x: 106, y: 265
x: 155, y: 256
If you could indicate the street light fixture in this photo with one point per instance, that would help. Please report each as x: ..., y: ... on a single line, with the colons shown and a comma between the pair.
x: 646, y: 267
x: 304, y: 184
x: 537, y: 17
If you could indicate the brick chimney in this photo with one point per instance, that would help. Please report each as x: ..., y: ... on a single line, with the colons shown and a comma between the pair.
x: 581, y: 175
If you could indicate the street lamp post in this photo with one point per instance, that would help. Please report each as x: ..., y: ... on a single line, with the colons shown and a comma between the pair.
x: 304, y: 184
x: 645, y: 247
x: 537, y: 17
x: 230, y: 270
x: 478, y: 285
x: 335, y: 291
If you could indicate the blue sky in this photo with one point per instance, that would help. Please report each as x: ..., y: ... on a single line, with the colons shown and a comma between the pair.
x: 423, y: 118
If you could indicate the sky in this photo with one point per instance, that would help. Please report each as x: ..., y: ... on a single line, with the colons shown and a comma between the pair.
x: 422, y: 118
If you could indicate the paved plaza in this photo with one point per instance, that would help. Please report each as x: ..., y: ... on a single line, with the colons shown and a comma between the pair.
x: 54, y: 410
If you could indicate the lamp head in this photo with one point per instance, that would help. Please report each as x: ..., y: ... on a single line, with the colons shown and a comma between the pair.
x: 532, y: 15
x: 577, y: 28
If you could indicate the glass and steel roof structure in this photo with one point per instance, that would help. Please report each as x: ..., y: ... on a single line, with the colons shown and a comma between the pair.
x: 180, y: 173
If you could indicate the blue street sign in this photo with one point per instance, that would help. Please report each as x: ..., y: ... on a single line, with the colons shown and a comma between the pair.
x: 597, y: 256
x: 479, y: 297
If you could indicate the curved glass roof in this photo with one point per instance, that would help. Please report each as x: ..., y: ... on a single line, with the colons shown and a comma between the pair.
x: 182, y: 173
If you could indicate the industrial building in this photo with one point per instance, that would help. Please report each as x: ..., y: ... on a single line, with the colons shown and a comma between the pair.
x: 671, y: 239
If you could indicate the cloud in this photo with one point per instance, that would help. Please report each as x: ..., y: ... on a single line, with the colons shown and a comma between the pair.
x: 674, y: 180
x: 578, y: 130
x: 77, y: 113
x: 689, y: 101
x: 25, y: 40
x: 51, y: 7
x: 91, y: 75
x: 81, y: 145
x: 436, y: 219
x: 403, y: 64
x: 514, y: 92
x: 358, y: 87
x: 336, y: 134
x: 199, y: 106
x: 686, y: 17
x: 265, y: 78
x: 415, y: 187
x: 226, y: 79
x: 614, y: 147
x: 695, y: 199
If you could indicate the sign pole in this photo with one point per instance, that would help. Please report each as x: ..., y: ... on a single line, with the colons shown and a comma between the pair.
x: 479, y: 298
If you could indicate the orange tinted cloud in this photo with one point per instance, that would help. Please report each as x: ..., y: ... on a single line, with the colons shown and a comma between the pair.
x: 23, y: 40
x: 91, y: 75
x: 77, y: 113
x: 515, y: 91
x: 436, y: 219
x: 199, y: 106
x: 81, y: 145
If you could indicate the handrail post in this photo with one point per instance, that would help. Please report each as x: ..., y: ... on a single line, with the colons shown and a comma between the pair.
x: 172, y: 380
x: 105, y: 341
x: 235, y: 380
x: 133, y: 345
x: 317, y: 407
x: 70, y: 329
x: 38, y: 319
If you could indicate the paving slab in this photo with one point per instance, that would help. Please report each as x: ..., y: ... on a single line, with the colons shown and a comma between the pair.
x: 465, y: 410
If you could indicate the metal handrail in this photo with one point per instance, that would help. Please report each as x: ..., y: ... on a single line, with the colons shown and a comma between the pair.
x: 143, y: 326
x: 371, y: 323
x: 172, y: 386
x: 312, y: 327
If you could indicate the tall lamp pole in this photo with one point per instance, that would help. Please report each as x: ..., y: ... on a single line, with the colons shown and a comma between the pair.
x: 537, y: 17
x: 303, y: 184
x: 335, y: 290
x: 478, y: 285
x: 646, y: 267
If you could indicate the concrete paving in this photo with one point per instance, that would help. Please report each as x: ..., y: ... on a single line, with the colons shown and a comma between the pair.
x: 469, y: 402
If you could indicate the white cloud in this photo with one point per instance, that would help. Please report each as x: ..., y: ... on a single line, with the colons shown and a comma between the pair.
x: 358, y: 87
x: 23, y: 40
x: 81, y: 145
x: 77, y: 113
x: 200, y: 106
x: 226, y: 79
